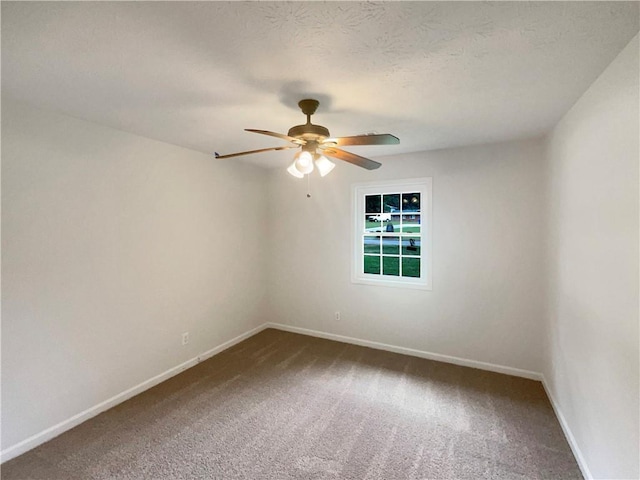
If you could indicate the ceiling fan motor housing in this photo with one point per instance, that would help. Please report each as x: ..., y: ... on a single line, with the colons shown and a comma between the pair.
x: 309, y: 132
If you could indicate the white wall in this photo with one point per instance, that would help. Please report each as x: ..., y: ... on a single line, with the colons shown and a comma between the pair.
x: 112, y: 246
x: 488, y: 285
x: 592, y: 360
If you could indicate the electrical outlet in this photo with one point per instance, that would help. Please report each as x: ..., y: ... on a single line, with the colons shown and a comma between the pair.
x: 185, y: 338
x: 337, y: 316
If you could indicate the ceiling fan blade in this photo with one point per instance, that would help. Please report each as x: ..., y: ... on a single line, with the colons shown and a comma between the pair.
x: 286, y: 147
x: 299, y: 141
x: 351, y: 158
x: 377, y: 139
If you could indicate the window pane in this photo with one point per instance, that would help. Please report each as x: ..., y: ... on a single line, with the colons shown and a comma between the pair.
x: 372, y: 204
x: 411, y: 202
x: 393, y: 225
x: 371, y: 224
x: 411, y: 223
x: 371, y: 244
x: 391, y: 266
x: 410, y: 267
x: 372, y: 264
x: 388, y: 246
x: 391, y: 203
x: 391, y: 245
x: 411, y: 246
x: 377, y: 221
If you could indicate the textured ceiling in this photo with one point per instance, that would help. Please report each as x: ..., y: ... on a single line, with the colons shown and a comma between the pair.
x: 195, y: 74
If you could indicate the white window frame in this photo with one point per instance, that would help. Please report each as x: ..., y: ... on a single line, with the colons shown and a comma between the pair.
x: 358, y: 193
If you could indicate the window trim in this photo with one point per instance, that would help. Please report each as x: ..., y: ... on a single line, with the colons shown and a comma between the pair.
x: 358, y: 191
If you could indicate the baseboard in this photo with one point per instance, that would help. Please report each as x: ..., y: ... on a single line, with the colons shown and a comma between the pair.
x: 410, y: 351
x: 577, y: 453
x: 54, y: 431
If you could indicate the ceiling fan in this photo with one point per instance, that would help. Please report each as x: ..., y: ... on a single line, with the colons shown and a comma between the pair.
x: 316, y: 144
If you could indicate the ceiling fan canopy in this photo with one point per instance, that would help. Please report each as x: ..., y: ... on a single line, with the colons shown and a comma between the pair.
x: 315, y: 143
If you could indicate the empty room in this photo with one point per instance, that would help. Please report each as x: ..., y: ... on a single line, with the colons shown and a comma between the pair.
x: 320, y: 240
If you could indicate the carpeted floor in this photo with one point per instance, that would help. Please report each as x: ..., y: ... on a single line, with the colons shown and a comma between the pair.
x: 284, y: 406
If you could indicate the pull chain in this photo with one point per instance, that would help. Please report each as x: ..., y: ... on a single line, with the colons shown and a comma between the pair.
x: 309, y: 185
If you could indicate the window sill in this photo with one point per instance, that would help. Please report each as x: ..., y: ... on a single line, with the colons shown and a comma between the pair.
x: 379, y: 282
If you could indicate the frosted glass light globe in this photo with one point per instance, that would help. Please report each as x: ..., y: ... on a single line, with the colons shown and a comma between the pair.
x: 324, y: 165
x: 304, y: 162
x: 294, y: 171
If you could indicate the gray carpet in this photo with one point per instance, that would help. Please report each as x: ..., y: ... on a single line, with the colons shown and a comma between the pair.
x: 284, y: 406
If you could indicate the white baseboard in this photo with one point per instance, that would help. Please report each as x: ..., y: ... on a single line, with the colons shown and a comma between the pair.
x: 517, y: 372
x: 51, y: 432
x: 586, y: 473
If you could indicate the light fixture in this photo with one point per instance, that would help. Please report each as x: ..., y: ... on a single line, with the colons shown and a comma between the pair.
x: 324, y: 164
x: 304, y: 162
x: 294, y: 171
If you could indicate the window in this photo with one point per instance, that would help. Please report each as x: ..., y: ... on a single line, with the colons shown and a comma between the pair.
x: 392, y: 233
